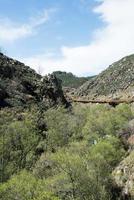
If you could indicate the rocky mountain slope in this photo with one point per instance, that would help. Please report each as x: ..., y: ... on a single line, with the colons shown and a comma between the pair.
x: 116, y: 82
x: 20, y: 85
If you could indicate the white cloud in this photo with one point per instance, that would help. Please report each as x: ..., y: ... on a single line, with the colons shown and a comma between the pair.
x: 11, y: 31
x: 110, y: 43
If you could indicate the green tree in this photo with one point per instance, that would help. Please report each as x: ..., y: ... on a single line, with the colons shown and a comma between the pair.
x: 102, y: 120
x: 60, y: 128
x: 18, y: 141
x: 24, y: 186
x: 77, y: 177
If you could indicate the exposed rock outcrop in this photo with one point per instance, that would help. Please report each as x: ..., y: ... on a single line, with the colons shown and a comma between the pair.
x: 21, y: 86
x: 124, y: 177
x: 51, y: 91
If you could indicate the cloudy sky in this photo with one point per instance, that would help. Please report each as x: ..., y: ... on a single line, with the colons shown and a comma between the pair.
x: 78, y: 36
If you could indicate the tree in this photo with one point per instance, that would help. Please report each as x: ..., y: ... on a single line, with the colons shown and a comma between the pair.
x: 60, y: 128
x: 25, y: 186
x: 18, y: 141
x: 102, y: 120
x: 77, y: 178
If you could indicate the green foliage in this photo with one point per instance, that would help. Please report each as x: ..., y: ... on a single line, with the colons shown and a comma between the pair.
x: 18, y: 141
x: 70, y: 80
x: 103, y: 120
x: 76, y: 177
x: 44, y: 167
x: 67, y: 154
x: 78, y: 171
x: 107, y: 149
x: 24, y: 186
x: 61, y: 127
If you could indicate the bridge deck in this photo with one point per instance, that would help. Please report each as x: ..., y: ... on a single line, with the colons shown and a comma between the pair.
x: 109, y: 101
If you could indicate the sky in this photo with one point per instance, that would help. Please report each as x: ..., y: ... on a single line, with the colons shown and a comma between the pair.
x: 79, y: 36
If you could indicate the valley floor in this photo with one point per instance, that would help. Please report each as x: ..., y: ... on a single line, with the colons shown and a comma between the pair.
x: 65, y: 154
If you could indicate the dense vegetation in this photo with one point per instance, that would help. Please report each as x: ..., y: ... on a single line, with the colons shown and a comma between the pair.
x: 61, y: 154
x: 70, y: 80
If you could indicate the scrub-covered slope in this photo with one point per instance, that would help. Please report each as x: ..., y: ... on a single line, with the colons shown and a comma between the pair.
x: 70, y: 80
x: 117, y: 81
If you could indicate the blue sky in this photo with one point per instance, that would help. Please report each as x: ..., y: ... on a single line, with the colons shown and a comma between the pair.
x: 71, y: 24
x: 63, y: 35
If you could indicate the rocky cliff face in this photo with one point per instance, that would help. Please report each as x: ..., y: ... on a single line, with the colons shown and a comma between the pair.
x: 115, y: 82
x: 124, y: 177
x: 123, y: 174
x: 20, y: 85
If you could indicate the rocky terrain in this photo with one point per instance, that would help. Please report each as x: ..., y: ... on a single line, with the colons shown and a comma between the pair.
x: 20, y: 85
x: 124, y: 176
x: 116, y: 82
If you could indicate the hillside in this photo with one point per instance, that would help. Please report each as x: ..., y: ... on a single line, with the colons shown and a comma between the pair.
x: 116, y: 82
x: 70, y: 80
x: 20, y: 85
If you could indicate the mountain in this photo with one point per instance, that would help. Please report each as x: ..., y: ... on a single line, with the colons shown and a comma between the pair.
x: 117, y: 81
x: 70, y: 80
x: 20, y: 85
